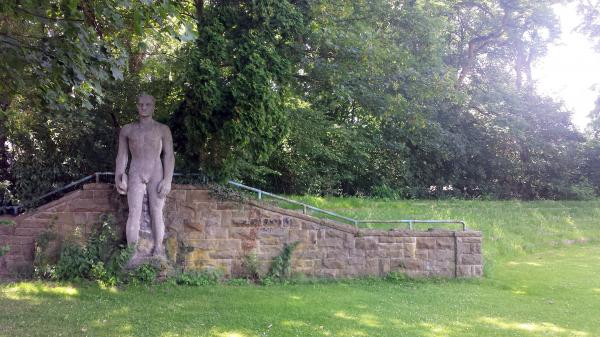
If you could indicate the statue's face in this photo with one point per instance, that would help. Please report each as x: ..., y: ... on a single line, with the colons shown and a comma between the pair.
x: 145, y: 106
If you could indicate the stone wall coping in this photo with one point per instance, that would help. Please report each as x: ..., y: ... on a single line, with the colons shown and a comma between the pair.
x: 323, y: 222
x: 67, y: 197
x: 98, y: 186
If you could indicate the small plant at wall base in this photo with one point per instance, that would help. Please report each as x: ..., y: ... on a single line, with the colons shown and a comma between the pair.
x: 43, y: 266
x: 4, y: 249
x: 251, y: 267
x: 199, y: 278
x: 101, y: 258
x: 281, y: 267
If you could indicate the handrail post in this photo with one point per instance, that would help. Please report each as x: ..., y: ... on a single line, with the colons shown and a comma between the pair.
x: 259, y: 195
x: 304, y: 209
x: 410, y: 225
x: 97, y: 174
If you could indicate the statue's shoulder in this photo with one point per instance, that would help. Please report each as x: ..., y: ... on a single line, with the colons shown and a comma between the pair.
x: 127, y: 127
x: 163, y: 127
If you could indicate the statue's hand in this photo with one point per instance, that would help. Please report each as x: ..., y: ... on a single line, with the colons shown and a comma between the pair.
x: 164, y: 187
x: 121, y: 184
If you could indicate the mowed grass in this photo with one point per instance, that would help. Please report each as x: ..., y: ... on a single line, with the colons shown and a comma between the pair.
x: 554, y: 293
x: 510, y: 228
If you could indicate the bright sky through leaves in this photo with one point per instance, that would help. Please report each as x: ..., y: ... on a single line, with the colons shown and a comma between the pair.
x: 571, y: 69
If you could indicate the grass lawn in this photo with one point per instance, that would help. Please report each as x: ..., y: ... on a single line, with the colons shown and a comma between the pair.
x: 510, y: 228
x: 554, y: 293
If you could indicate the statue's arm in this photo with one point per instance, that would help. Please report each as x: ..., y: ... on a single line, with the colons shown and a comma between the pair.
x: 168, y: 162
x: 122, y: 157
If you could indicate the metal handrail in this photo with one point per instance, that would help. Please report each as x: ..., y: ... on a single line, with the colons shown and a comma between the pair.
x: 355, y: 222
x: 305, y: 207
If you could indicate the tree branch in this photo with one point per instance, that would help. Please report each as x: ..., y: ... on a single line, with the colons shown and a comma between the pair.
x: 45, y: 17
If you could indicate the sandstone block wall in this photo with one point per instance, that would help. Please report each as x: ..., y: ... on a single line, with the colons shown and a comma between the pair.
x: 203, y: 232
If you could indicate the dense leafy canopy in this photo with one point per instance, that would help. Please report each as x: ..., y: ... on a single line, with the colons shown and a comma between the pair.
x: 401, y: 98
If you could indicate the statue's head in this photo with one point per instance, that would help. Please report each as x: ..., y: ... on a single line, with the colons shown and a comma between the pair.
x: 145, y: 105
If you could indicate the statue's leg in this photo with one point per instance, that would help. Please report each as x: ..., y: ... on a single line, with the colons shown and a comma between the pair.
x: 156, y: 204
x: 135, y: 197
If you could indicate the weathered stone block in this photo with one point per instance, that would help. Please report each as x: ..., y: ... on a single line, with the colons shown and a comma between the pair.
x: 194, y: 226
x: 226, y: 218
x: 298, y: 235
x: 376, y: 253
x: 205, y: 244
x: 413, y: 264
x: 33, y: 232
x: 216, y: 233
x: 224, y: 254
x: 470, y: 259
x: 243, y: 233
x: 311, y: 254
x: 425, y: 243
x: 384, y: 266
x: 333, y: 264
x: 332, y: 233
x: 365, y: 243
x: 240, y: 222
x: 101, y: 194
x: 177, y: 195
x: 198, y: 195
x: 331, y: 243
x: 337, y: 254
x: 358, y: 253
x: 422, y: 254
x: 469, y: 239
x: 228, y: 205
x: 444, y: 243
x: 464, y: 271
x: 396, y: 263
x: 270, y: 240
x: 387, y: 239
x: 443, y: 255
x: 410, y: 250
x: 357, y: 261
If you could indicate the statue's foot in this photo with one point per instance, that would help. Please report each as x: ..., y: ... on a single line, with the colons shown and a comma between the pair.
x: 135, y: 260
x: 159, y: 251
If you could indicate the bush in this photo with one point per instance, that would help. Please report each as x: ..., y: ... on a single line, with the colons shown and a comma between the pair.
x: 101, y: 258
x: 396, y: 277
x: 4, y: 249
x: 282, y: 263
x: 251, y: 267
x: 143, y: 274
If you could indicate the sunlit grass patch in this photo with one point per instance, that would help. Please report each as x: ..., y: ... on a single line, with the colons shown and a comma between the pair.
x: 23, y: 291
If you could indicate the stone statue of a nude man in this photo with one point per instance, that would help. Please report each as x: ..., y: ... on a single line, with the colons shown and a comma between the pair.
x: 146, y: 140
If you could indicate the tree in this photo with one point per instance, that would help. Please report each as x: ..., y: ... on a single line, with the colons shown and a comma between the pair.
x: 236, y: 77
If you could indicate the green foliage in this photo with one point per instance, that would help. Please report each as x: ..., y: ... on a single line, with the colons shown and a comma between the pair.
x: 199, y: 278
x: 43, y: 264
x: 101, y: 258
x: 396, y: 277
x: 281, y: 266
x: 4, y: 249
x: 251, y: 267
x: 236, y: 75
x: 144, y: 274
x: 413, y: 99
x: 238, y: 282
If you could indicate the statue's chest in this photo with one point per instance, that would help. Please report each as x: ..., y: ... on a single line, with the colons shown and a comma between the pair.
x: 145, y: 138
